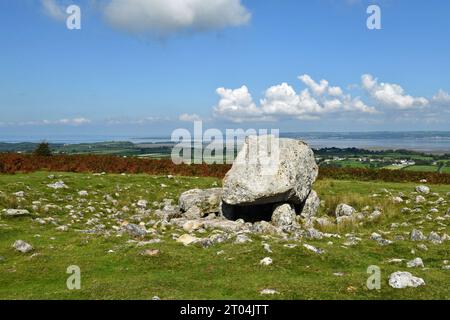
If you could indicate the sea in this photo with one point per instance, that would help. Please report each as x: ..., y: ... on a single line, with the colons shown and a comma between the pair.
x: 429, y: 141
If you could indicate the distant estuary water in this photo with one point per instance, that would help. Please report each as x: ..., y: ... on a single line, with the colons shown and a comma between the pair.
x: 434, y: 142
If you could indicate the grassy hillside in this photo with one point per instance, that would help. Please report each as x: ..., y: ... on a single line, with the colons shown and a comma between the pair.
x: 112, y: 266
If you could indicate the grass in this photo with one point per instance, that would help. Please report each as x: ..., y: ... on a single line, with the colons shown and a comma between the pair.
x: 421, y: 168
x: 192, y: 272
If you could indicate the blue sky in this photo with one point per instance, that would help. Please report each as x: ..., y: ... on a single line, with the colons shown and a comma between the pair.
x: 145, y: 67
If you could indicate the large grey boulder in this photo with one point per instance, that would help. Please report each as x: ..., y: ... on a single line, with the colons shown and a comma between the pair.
x: 207, y: 200
x: 270, y: 170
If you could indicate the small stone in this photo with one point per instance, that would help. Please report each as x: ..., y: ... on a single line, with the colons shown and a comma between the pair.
x: 417, y: 235
x: 22, y: 246
x: 57, y: 185
x: 435, y: 238
x: 19, y: 194
x: 313, y: 249
x: 266, y: 261
x: 266, y: 247
x: 417, y: 262
x: 62, y: 228
x: 397, y: 200
x: 142, y: 204
x: 344, y: 210
x: 242, y: 238
x: 420, y: 199
x: 150, y: 252
x: 83, y: 193
x: 135, y: 230
x: 16, y: 212
x: 423, y: 189
x: 400, y: 280
x: 192, y: 225
x: 268, y: 291
x: 187, y: 239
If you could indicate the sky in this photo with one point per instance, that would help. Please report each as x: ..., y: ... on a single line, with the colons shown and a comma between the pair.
x: 147, y: 67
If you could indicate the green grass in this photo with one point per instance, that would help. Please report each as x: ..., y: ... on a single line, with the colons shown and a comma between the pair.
x: 192, y: 272
x: 421, y: 168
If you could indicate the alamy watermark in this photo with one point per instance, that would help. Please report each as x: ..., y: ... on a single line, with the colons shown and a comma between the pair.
x: 374, y: 20
x: 74, y: 280
x: 73, y: 21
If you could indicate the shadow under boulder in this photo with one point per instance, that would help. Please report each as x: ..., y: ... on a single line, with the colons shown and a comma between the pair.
x: 249, y: 213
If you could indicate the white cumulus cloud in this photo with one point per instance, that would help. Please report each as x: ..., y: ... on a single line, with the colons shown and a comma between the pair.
x: 282, y: 101
x: 390, y: 94
x: 163, y: 18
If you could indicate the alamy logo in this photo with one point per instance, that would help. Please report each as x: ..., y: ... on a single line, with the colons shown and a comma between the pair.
x: 73, y: 21
x: 74, y: 280
x: 374, y: 280
x: 374, y: 20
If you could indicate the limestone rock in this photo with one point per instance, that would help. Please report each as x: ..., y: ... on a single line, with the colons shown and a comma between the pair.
x: 400, y: 280
x: 257, y: 178
x: 22, y: 246
x: 423, y: 189
x: 311, y: 205
x: 207, y: 200
x: 417, y: 262
x: 283, y: 215
x: 344, y: 210
x: 16, y: 212
x: 187, y: 239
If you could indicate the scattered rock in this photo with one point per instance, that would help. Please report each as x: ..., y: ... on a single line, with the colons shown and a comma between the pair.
x: 435, y: 238
x: 150, y: 252
x: 268, y: 291
x: 142, y: 204
x: 83, y: 193
x: 192, y: 225
x: 417, y: 235
x: 420, y: 199
x: 207, y: 200
x: 313, y: 249
x: 397, y: 199
x: 135, y: 230
x: 16, y: 212
x: 423, y: 189
x: 187, y: 239
x: 19, y: 194
x: 242, y: 238
x: 58, y: 185
x: 417, y: 262
x: 22, y: 246
x: 378, y: 238
x: 266, y: 261
x: 344, y: 210
x: 401, y: 279
x: 283, y: 215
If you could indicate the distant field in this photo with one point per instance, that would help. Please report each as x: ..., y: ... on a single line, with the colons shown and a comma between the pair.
x: 421, y: 168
